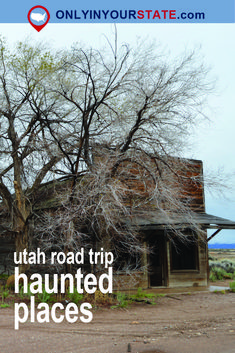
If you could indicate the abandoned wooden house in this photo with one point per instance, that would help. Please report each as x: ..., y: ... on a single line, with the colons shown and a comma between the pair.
x: 174, y: 241
x: 177, y: 239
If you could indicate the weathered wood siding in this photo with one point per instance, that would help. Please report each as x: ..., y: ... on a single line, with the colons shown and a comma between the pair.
x: 186, y: 181
x: 183, y: 179
x: 193, y: 189
x: 189, y: 278
x: 134, y: 280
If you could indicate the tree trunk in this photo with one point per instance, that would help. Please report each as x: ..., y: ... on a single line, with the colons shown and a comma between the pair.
x: 21, y: 226
x: 21, y: 243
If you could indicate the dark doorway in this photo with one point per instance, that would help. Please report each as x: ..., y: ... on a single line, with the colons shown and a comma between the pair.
x: 157, y: 259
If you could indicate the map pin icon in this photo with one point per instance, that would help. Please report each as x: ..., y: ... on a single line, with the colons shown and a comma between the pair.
x: 38, y: 17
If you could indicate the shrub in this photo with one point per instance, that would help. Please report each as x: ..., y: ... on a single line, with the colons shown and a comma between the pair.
x: 44, y: 297
x: 122, y: 301
x: 3, y: 276
x: 222, y: 270
x: 4, y: 294
x: 75, y: 297
x: 229, y: 266
x: 232, y: 286
x: 99, y: 298
x: 213, y: 277
x: 11, y: 282
x: 219, y: 273
x: 102, y: 299
x: 141, y: 295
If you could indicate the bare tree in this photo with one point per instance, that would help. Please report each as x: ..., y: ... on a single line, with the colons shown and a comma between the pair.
x: 27, y: 151
x: 131, y: 100
x: 132, y: 109
x: 109, y: 119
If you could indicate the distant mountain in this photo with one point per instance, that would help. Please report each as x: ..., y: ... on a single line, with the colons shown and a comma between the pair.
x: 221, y: 246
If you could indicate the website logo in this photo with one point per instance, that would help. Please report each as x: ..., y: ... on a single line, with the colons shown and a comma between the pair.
x: 38, y: 17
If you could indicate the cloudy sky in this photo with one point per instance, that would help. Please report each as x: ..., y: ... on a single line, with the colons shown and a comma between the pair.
x: 214, y: 141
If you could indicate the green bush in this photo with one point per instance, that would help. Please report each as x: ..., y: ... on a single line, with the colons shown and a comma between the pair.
x: 229, y: 266
x: 75, y: 297
x: 232, y: 286
x: 24, y: 295
x: 219, y: 273
x: 3, y: 276
x: 213, y: 277
x: 44, y: 297
x: 141, y: 295
x: 224, y: 269
x: 4, y: 294
x: 122, y: 301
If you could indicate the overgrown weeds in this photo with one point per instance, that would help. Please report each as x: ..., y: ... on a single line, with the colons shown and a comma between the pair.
x: 123, y: 300
x: 98, y: 299
x: 5, y: 294
x: 232, y: 286
x: 44, y: 297
x: 75, y: 297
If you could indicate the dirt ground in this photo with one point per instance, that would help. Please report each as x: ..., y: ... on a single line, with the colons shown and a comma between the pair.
x: 202, y: 322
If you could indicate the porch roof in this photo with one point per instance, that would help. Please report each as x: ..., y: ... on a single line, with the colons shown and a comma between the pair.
x: 160, y: 220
